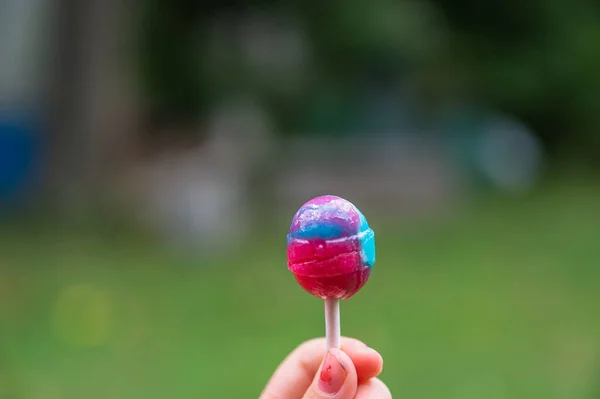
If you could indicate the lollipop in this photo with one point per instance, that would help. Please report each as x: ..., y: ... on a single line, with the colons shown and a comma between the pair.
x: 331, y: 250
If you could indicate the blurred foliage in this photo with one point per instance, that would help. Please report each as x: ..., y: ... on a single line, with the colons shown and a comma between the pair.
x: 538, y: 60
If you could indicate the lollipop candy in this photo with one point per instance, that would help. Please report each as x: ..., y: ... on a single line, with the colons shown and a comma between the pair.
x: 331, y: 250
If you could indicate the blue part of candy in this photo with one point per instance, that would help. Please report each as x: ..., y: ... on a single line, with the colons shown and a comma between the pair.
x: 367, y: 239
x: 320, y: 229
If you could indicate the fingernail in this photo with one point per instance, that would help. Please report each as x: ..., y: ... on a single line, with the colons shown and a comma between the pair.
x: 333, y: 374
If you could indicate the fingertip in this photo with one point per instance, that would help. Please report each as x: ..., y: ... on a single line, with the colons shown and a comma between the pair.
x: 336, y: 378
x: 344, y: 360
x: 348, y: 342
x: 368, y: 362
x: 376, y: 361
x: 374, y: 388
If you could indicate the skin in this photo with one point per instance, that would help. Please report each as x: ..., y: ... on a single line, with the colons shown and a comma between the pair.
x: 297, y: 376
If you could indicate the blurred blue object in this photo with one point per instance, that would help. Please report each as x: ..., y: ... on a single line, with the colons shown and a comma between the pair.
x: 18, y: 152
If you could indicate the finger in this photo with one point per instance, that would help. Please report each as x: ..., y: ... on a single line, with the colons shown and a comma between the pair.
x: 296, y: 372
x: 336, y: 378
x: 368, y: 361
x: 373, y: 389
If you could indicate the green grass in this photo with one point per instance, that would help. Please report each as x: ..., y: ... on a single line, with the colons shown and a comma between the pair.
x: 497, y: 302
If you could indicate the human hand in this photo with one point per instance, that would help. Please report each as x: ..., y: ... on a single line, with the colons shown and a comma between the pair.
x: 309, y: 373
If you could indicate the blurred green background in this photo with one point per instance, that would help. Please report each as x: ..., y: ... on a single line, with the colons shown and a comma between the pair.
x: 153, y: 153
x: 473, y: 308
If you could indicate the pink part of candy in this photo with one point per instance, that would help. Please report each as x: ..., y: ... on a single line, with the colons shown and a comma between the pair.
x: 328, y: 269
x: 340, y: 265
x: 336, y: 287
x: 325, y: 258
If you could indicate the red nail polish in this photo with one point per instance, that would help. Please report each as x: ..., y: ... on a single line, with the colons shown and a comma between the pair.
x: 333, y: 374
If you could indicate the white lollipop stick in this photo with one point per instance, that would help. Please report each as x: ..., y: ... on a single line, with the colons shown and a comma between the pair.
x: 332, y: 324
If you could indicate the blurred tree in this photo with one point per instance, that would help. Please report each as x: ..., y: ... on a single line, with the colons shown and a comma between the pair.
x: 169, y: 72
x: 350, y: 41
x: 538, y: 60
x: 87, y: 97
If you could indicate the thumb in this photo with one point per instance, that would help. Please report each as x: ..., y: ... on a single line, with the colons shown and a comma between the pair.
x: 336, y: 379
